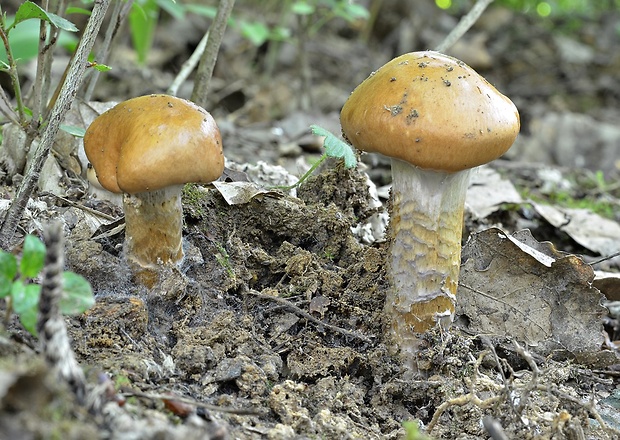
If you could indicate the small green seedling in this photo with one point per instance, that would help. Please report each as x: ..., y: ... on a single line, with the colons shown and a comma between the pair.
x: 334, y: 147
x: 412, y: 430
x: 22, y: 293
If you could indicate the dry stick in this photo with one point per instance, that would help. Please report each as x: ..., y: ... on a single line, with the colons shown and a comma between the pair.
x: 6, y: 108
x: 608, y: 257
x: 207, y: 63
x: 308, y: 316
x: 466, y: 22
x: 196, y: 403
x: 553, y: 389
x: 188, y: 66
x: 42, y: 55
x: 63, y: 103
x: 470, y: 397
x: 119, y: 13
x: 532, y: 384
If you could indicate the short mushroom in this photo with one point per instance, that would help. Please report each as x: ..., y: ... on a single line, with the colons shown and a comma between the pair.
x: 437, y: 119
x: 147, y: 148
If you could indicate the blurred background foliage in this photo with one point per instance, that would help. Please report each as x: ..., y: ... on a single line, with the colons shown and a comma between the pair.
x: 260, y: 28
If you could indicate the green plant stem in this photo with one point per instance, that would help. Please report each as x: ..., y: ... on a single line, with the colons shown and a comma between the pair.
x: 207, y: 62
x: 63, y: 103
x: 305, y: 176
x: 17, y: 91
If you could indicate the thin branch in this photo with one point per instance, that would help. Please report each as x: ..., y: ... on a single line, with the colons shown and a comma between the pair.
x: 188, y: 66
x: 289, y: 305
x: 62, y: 105
x: 196, y: 403
x: 119, y: 13
x: 12, y: 71
x: 466, y: 22
x: 40, y: 79
x: 207, y: 63
x: 6, y: 108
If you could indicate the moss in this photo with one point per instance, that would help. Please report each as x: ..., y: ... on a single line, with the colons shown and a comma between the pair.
x: 192, y: 197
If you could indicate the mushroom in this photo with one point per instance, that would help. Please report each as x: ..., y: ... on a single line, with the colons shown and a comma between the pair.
x: 437, y: 119
x: 147, y: 148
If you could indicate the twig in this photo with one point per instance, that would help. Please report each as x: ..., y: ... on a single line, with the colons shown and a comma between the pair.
x: 188, y: 66
x: 12, y: 71
x: 493, y: 428
x: 463, y: 26
x: 119, y: 13
x: 65, y: 99
x: 553, y: 389
x: 223, y: 409
x: 207, y: 62
x: 532, y: 384
x: 84, y: 208
x: 470, y: 397
x: 608, y: 257
x: 308, y: 316
x: 6, y: 108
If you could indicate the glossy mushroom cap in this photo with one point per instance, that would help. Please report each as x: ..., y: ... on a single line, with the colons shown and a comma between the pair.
x: 432, y: 111
x: 151, y: 142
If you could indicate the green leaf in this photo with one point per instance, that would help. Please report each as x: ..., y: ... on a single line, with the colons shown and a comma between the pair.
x: 302, y: 8
x: 78, y: 295
x: 5, y: 285
x: 256, y: 32
x: 24, y: 41
x: 8, y: 265
x: 205, y: 11
x: 102, y: 67
x: 352, y: 11
x: 30, y: 10
x: 73, y: 130
x: 33, y: 257
x: 173, y: 8
x: 28, y: 318
x: 26, y: 304
x: 334, y: 147
x: 25, y: 296
x: 8, y: 271
x: 142, y: 22
x: 76, y: 10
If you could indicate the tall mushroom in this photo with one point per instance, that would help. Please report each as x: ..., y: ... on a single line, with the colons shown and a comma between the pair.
x: 436, y: 118
x: 147, y: 148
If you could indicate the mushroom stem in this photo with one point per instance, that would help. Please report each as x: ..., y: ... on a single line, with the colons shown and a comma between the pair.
x: 153, y: 232
x: 426, y: 230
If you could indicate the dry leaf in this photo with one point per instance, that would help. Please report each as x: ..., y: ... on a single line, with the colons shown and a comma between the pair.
x: 514, y: 286
x: 487, y: 191
x: 590, y: 230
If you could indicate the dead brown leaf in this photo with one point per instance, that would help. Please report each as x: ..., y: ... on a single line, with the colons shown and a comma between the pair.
x: 514, y: 286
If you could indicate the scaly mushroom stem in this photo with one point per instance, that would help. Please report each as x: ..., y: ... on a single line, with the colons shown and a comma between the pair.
x: 425, y: 231
x: 153, y: 232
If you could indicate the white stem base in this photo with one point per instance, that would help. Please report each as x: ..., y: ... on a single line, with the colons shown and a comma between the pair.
x: 426, y: 227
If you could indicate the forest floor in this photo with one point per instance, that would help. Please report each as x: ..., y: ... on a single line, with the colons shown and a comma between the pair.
x: 274, y: 329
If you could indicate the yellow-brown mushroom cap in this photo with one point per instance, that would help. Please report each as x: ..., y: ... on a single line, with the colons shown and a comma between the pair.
x: 151, y: 142
x: 432, y: 111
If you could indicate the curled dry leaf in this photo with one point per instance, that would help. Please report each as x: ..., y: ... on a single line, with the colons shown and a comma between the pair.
x: 587, y: 228
x: 515, y: 287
